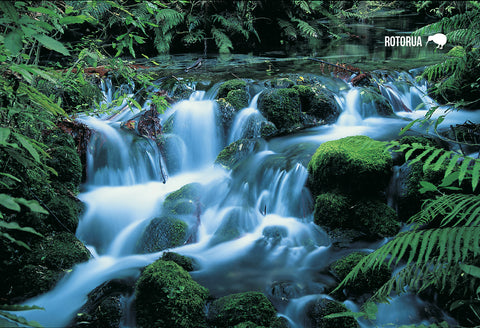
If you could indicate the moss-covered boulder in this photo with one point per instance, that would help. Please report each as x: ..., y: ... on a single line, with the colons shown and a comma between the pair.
x: 235, y: 309
x: 66, y: 162
x: 370, y: 216
x: 366, y: 282
x: 229, y: 229
x: 279, y: 83
x: 281, y: 107
x: 45, y: 264
x: 318, y: 103
x: 185, y: 262
x: 317, y: 310
x: 162, y: 233
x: 167, y: 296
x: 232, y: 155
x: 238, y: 99
x: 230, y: 85
x: 66, y: 209
x: 354, y: 165
x: 378, y: 102
x: 268, y: 129
x: 224, y: 114
x: 183, y: 201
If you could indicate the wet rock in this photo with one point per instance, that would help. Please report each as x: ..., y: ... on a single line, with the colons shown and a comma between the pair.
x: 367, y: 282
x: 235, y: 309
x: 66, y: 209
x: 229, y: 229
x: 378, y: 101
x: 281, y: 107
x: 105, y: 305
x: 162, y: 233
x: 370, y: 216
x: 230, y: 85
x: 226, y: 113
x: 231, y: 156
x: 353, y: 165
x: 167, y: 296
x: 185, y: 262
x: 238, y: 99
x: 168, y: 144
x: 268, y: 129
x: 279, y: 83
x: 184, y: 201
x: 66, y: 162
x: 281, y: 292
x: 51, y: 257
x: 317, y: 310
x: 318, y: 103
x: 275, y: 232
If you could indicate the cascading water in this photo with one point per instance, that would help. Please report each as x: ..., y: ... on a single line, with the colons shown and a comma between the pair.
x: 248, y: 122
x: 272, y: 244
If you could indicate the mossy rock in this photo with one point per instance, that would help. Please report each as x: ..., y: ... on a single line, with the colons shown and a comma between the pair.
x: 57, y: 137
x: 228, y: 230
x: 322, y: 307
x: 67, y: 210
x: 185, y: 262
x: 238, y: 99
x: 279, y: 83
x: 268, y: 129
x: 381, y: 104
x: 353, y: 165
x: 230, y: 85
x: 58, y: 251
x: 369, y: 216
x: 31, y: 280
x: 162, y: 233
x: 235, y: 309
x: 183, y: 201
x: 318, y: 103
x: 225, y: 114
x: 232, y: 155
x: 367, y: 282
x: 167, y: 296
x: 281, y: 107
x: 66, y: 162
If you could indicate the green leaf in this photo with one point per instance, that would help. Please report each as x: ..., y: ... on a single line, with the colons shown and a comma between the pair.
x: 16, y: 226
x: 427, y: 186
x: 10, y: 176
x: 4, y: 134
x: 43, y: 10
x: 19, y: 307
x: 471, y: 270
x: 28, y: 146
x: 33, y: 205
x: 52, y: 44
x: 475, y: 175
x: 80, y: 19
x: 19, y: 319
x: 13, y: 42
x: 9, y: 202
x: 13, y: 240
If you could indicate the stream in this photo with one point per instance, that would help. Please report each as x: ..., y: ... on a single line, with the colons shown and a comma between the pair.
x: 278, y: 250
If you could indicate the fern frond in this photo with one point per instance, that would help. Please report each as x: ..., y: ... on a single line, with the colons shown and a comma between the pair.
x: 464, y: 36
x: 169, y: 18
x: 194, y: 37
x: 438, y: 246
x: 222, y: 40
x: 287, y: 28
x: 453, y: 210
x: 306, y: 28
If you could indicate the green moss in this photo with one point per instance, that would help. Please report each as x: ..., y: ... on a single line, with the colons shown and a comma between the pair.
x: 59, y: 138
x: 322, y: 307
x: 370, y: 216
x: 162, y: 233
x: 332, y: 210
x: 268, y: 129
x: 376, y: 218
x: 66, y: 162
x: 167, y: 296
x: 185, y: 262
x: 32, y: 280
x: 365, y: 282
x: 318, y: 103
x: 228, y: 230
x: 234, y: 309
x: 354, y: 165
x: 373, y: 96
x: 232, y: 155
x: 281, y: 107
x: 67, y: 209
x: 238, y: 99
x: 230, y: 85
x: 184, y: 200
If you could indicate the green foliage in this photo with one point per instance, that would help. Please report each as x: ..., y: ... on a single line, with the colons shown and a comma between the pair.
x: 8, y: 319
x: 456, y: 78
x: 443, y: 242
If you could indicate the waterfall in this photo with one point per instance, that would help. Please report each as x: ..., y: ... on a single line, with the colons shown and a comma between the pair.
x: 248, y: 122
x: 263, y: 205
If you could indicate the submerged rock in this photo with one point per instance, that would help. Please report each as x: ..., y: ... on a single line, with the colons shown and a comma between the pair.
x: 167, y: 296
x: 162, y: 233
x: 235, y: 309
x: 354, y: 165
x: 184, y: 201
x: 367, y: 282
x: 317, y: 310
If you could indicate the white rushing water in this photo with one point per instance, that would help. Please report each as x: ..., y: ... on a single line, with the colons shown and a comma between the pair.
x: 265, y: 202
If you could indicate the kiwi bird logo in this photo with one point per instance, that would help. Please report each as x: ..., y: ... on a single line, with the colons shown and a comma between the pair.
x: 439, y: 39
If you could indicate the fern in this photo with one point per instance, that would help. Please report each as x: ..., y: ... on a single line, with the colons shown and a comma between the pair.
x: 222, y: 40
x: 306, y: 28
x: 288, y: 29
x: 169, y: 18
